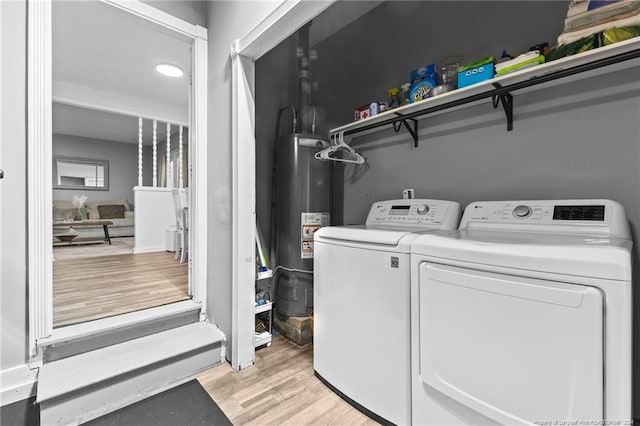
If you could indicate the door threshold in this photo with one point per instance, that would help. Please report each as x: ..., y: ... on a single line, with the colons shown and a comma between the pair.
x: 89, y: 328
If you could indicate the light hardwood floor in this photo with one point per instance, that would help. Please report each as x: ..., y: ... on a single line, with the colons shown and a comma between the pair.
x: 279, y: 389
x: 97, y: 287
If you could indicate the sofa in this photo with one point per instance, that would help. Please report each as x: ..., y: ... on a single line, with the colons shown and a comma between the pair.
x: 117, y: 211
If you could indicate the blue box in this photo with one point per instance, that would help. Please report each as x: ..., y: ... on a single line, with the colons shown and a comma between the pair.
x: 476, y: 72
x: 426, y: 72
x: 423, y: 79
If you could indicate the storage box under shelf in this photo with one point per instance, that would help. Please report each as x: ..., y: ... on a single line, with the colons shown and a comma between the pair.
x: 264, y: 274
x: 263, y: 313
x: 261, y: 339
x: 263, y: 308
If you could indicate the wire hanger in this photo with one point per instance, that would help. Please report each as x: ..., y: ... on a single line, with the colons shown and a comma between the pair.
x: 339, y: 146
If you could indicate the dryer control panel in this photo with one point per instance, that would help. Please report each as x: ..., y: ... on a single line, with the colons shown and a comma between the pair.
x: 602, y: 217
x: 414, y: 214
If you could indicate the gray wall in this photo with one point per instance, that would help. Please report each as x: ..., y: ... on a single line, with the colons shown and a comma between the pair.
x: 272, y: 94
x: 579, y: 140
x: 401, y: 36
x: 575, y: 140
x: 123, y: 165
x: 228, y: 21
x: 194, y: 12
x: 13, y: 204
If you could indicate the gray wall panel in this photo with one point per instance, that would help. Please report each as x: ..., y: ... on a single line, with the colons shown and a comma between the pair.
x: 272, y: 94
x: 230, y: 20
x: 571, y: 141
x: 123, y: 165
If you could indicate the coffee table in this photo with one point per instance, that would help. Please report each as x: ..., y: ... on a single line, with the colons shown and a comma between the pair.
x: 80, y: 223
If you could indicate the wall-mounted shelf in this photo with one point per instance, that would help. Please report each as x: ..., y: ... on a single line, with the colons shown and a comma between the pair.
x: 264, y: 314
x: 263, y: 308
x: 599, y: 61
x: 264, y: 274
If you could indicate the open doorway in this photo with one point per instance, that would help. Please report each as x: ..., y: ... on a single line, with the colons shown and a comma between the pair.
x: 122, y: 98
x: 100, y: 268
x: 110, y: 167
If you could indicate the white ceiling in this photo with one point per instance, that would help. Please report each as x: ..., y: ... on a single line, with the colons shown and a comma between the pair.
x: 106, y: 58
x: 103, y: 125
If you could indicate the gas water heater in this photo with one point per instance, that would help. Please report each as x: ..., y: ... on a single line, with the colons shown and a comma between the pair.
x: 302, y: 196
x: 302, y: 207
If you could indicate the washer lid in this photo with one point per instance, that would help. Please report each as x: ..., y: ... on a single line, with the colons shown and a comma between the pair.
x: 578, y: 255
x: 360, y: 234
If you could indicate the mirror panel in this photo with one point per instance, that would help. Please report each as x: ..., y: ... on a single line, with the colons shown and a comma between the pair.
x: 80, y: 173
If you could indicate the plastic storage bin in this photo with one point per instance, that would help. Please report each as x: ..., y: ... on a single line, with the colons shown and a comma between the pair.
x: 476, y: 72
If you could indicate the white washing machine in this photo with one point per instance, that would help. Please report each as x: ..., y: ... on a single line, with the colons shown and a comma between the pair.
x: 361, y: 342
x: 523, y: 316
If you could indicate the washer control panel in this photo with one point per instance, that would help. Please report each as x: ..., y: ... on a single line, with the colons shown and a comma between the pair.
x: 414, y: 213
x: 588, y: 216
x: 534, y: 211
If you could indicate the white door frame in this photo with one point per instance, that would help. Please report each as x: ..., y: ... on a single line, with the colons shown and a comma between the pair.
x: 287, y: 18
x: 39, y: 157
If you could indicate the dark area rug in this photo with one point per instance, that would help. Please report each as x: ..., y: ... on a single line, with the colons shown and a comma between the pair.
x: 188, y: 405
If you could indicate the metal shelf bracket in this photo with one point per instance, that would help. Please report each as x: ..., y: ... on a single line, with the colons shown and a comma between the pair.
x: 413, y: 130
x: 506, y: 99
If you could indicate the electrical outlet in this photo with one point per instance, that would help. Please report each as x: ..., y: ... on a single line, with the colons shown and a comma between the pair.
x: 407, y: 194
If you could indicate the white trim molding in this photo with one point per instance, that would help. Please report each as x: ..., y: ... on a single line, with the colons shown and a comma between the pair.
x: 243, y: 174
x: 157, y: 16
x: 198, y: 172
x: 39, y: 169
x: 287, y: 18
x: 18, y: 383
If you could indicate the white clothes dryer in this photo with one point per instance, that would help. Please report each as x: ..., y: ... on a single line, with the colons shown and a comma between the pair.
x: 523, y: 316
x: 361, y: 342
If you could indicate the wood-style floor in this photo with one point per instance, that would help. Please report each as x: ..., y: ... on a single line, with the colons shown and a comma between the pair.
x: 279, y: 389
x: 98, y: 287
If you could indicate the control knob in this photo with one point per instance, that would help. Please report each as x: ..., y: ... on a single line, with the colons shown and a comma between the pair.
x: 522, y: 211
x: 423, y: 209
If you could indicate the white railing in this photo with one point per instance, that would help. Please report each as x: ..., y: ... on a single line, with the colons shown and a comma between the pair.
x: 169, y: 170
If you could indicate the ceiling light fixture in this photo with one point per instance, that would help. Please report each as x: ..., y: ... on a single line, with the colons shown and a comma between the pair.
x: 169, y: 70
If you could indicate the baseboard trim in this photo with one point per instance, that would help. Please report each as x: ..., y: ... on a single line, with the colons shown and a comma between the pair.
x: 17, y: 383
x: 138, y: 250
